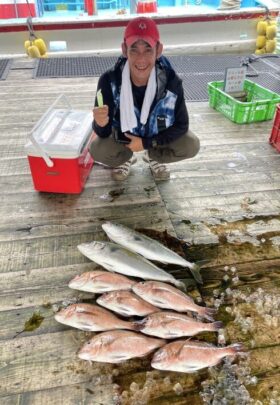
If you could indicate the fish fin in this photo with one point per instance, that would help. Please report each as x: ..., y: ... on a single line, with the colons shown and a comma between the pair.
x: 237, y: 348
x: 188, y: 282
x: 109, y: 267
x: 123, y: 311
x: 85, y: 327
x: 118, y: 358
x: 198, y: 343
x: 173, y: 335
x: 201, y: 263
x: 217, y: 325
x: 158, y: 302
x: 195, y: 270
x: 180, y: 284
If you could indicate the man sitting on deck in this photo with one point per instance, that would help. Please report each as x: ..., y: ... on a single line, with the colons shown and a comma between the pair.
x: 143, y: 108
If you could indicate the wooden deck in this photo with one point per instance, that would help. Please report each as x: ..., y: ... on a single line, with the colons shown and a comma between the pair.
x: 225, y: 203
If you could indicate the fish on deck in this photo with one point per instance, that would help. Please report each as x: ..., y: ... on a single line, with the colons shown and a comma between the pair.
x: 189, y: 356
x: 165, y: 296
x: 92, y: 318
x: 148, y: 247
x: 118, y: 346
x: 126, y: 303
x: 171, y: 325
x: 99, y: 282
x: 120, y: 260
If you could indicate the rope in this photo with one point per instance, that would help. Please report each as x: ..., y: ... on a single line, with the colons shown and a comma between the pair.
x: 32, y: 34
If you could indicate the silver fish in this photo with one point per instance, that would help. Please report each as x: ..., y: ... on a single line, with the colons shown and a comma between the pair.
x: 147, y: 247
x: 126, y: 303
x: 99, y: 282
x: 117, y: 346
x: 166, y: 296
x: 120, y: 260
x: 92, y: 318
x: 188, y: 356
x: 171, y: 325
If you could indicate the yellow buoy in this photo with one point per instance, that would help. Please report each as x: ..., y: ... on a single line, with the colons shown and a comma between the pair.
x: 270, y: 45
x: 40, y: 43
x: 271, y: 31
x: 33, y: 51
x: 27, y: 44
x: 260, y: 42
x: 261, y: 27
x: 260, y: 51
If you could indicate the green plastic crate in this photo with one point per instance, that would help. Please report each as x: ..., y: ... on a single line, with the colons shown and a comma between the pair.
x: 260, y: 107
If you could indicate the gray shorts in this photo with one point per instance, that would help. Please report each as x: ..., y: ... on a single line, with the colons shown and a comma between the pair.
x: 113, y: 154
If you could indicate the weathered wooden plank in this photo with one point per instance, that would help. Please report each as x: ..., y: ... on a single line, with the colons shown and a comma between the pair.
x: 13, y: 319
x: 49, y: 355
x: 76, y: 394
x: 40, y: 287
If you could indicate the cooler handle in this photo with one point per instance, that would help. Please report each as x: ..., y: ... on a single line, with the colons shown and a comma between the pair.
x: 36, y: 145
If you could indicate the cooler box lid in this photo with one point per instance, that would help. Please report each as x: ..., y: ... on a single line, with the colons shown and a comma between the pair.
x: 61, y: 133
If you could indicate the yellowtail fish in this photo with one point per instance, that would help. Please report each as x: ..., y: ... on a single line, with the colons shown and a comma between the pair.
x: 148, y: 247
x: 188, y: 356
x: 171, y: 325
x: 163, y: 295
x: 120, y: 260
x: 117, y: 346
x: 99, y: 282
x: 92, y: 318
x: 126, y: 303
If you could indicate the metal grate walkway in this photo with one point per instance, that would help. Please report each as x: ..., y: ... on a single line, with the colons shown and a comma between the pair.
x: 73, y: 66
x: 196, y: 70
x: 5, y: 65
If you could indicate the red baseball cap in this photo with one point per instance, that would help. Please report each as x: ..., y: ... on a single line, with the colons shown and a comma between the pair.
x: 141, y: 28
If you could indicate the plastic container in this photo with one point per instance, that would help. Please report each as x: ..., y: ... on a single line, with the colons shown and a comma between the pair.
x: 148, y: 6
x: 58, y: 150
x: 260, y: 106
x: 275, y: 133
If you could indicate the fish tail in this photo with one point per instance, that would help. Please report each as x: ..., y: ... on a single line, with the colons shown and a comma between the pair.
x: 130, y: 326
x: 139, y: 325
x: 236, y: 348
x: 216, y: 326
x: 207, y: 313
x: 195, y: 270
x: 179, y: 284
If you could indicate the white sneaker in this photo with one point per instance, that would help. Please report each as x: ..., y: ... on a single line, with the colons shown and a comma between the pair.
x: 121, y: 172
x: 159, y: 170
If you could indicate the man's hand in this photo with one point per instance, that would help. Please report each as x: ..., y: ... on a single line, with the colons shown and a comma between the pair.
x: 100, y: 115
x: 136, y: 144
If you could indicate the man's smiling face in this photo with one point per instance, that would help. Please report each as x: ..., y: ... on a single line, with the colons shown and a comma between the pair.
x: 141, y: 58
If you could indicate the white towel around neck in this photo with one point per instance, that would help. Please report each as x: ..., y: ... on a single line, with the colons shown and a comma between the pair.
x: 127, y: 113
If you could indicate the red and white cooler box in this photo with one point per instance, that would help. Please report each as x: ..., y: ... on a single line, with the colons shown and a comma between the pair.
x: 58, y: 149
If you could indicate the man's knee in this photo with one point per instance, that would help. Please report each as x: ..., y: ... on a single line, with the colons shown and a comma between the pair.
x: 109, y: 152
x: 193, y: 144
x: 187, y: 146
x: 98, y: 148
